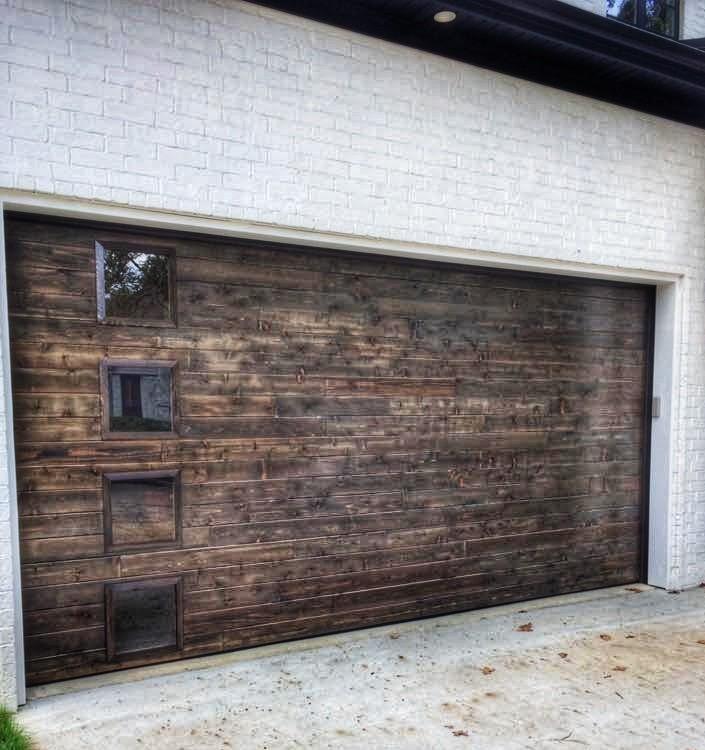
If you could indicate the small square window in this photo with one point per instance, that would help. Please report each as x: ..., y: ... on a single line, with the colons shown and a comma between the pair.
x: 138, y: 399
x: 143, y: 617
x: 134, y: 284
x: 142, y: 510
x: 658, y: 16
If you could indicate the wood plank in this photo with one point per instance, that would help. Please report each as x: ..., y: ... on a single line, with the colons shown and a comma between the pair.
x: 251, y: 574
x: 411, y: 591
x: 61, y: 525
x: 49, y: 598
x: 440, y: 572
x: 63, y: 618
x: 61, y: 548
x: 51, y: 503
x: 58, y: 572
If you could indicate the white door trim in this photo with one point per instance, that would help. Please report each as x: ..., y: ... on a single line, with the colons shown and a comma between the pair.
x: 669, y: 321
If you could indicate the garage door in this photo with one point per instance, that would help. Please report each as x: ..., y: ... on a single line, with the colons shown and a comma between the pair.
x: 222, y: 444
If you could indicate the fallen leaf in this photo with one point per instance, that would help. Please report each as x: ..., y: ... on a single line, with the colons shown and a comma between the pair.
x: 619, y: 668
x: 702, y: 641
x: 635, y: 590
x: 487, y: 670
x: 630, y: 636
x: 394, y: 636
x: 605, y: 637
x: 527, y: 627
x: 563, y: 655
x: 460, y: 733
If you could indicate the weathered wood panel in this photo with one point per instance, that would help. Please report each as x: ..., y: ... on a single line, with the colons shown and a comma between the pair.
x: 360, y: 440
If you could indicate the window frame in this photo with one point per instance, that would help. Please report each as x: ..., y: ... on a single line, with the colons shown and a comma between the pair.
x: 641, y: 20
x: 110, y: 434
x: 171, y: 321
x: 112, y: 654
x: 125, y: 476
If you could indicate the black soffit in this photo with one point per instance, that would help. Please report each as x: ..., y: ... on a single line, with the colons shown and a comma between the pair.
x: 545, y: 41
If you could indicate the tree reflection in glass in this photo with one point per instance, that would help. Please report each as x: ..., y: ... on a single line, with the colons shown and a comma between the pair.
x: 658, y: 16
x: 624, y: 10
x: 136, y: 285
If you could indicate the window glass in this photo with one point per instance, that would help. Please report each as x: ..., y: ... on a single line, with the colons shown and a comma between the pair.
x: 140, y: 399
x: 625, y: 10
x: 660, y: 16
x: 141, y: 510
x: 143, y: 618
x: 135, y: 284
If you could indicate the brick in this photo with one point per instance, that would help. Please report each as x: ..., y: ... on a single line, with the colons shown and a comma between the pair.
x: 37, y: 79
x: 97, y: 124
x: 91, y: 158
x: 19, y: 55
x: 76, y: 102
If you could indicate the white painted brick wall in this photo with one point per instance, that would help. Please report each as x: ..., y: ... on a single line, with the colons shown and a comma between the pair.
x: 594, y: 6
x: 693, y: 24
x: 225, y: 109
x: 8, y: 695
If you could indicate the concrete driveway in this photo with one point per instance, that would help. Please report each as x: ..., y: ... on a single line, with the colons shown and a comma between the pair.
x: 618, y: 668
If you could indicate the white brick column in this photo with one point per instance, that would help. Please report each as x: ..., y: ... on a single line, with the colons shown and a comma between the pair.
x: 12, y: 688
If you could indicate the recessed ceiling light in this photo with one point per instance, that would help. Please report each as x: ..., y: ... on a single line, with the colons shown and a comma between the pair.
x: 445, y: 16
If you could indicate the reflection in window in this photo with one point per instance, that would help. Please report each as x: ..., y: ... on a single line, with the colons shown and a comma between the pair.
x: 141, y: 509
x: 133, y: 284
x: 140, y: 398
x: 625, y: 10
x: 142, y: 617
x: 659, y: 16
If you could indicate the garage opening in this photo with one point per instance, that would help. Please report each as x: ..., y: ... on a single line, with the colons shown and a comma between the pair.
x: 226, y: 443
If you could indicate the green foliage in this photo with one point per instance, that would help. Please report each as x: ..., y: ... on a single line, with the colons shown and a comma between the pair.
x: 12, y: 736
x: 136, y: 284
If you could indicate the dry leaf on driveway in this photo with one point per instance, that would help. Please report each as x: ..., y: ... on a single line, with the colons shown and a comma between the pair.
x: 605, y: 637
x: 487, y: 670
x: 527, y: 627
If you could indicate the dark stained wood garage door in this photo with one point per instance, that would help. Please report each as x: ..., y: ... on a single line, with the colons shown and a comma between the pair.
x: 271, y: 442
